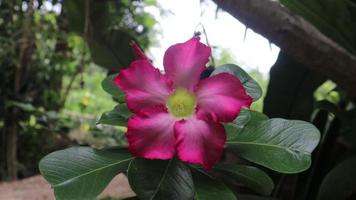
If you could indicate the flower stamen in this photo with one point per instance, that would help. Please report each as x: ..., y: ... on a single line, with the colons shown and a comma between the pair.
x: 181, y: 103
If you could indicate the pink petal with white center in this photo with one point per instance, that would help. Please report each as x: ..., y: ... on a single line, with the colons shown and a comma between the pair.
x: 221, y: 97
x: 150, y: 134
x: 184, y: 62
x: 199, y: 142
x: 144, y: 85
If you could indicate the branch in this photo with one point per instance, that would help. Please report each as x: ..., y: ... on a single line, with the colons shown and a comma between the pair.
x: 296, y: 37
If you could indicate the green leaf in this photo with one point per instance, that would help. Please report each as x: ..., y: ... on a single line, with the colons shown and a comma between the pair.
x: 246, y: 117
x: 116, y: 117
x: 112, y: 50
x: 27, y: 107
x: 251, y: 177
x: 160, y: 179
x: 82, y: 172
x: 251, y: 86
x: 99, y: 17
x: 109, y: 48
x: 109, y: 87
x: 75, y: 12
x: 340, y: 182
x: 208, y: 188
x: 281, y: 145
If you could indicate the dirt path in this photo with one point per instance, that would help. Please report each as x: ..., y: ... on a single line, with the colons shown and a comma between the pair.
x: 36, y: 188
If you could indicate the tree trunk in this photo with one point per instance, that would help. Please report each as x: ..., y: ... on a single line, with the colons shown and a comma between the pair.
x: 11, y: 145
x: 12, y: 114
x: 298, y: 38
x: 2, y: 153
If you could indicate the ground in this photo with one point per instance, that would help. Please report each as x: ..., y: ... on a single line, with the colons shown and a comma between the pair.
x: 36, y: 188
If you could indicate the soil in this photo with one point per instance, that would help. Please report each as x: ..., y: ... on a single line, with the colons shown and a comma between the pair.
x: 36, y: 188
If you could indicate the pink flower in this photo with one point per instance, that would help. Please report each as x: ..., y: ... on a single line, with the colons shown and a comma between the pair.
x: 176, y: 113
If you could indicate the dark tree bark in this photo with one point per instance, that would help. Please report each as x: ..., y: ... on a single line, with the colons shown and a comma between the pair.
x: 298, y: 38
x: 12, y: 114
x: 290, y: 92
x: 11, y: 145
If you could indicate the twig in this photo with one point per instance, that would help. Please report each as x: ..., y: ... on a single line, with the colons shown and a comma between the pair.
x: 79, y: 68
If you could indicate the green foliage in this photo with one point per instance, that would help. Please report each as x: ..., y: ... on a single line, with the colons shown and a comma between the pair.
x: 105, y: 51
x: 252, y: 177
x: 336, y: 123
x: 158, y: 179
x: 209, y: 188
x: 86, y: 95
x: 116, y: 117
x: 47, y: 63
x: 327, y: 91
x: 108, y: 86
x: 263, y: 82
x: 109, y: 27
x: 344, y: 175
x: 251, y: 86
x: 281, y: 145
x: 246, y: 118
x: 81, y: 172
x: 32, y: 64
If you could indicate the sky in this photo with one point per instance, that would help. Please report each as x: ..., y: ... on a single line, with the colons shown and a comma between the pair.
x: 182, y: 19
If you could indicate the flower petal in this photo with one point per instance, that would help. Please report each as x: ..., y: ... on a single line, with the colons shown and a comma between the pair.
x: 150, y: 134
x: 144, y: 85
x: 184, y: 62
x: 221, y: 97
x: 199, y: 142
x: 140, y: 55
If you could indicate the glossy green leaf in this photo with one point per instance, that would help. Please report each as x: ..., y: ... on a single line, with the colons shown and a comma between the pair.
x: 109, y: 87
x: 340, y: 183
x: 281, y: 145
x: 116, y: 117
x: 251, y: 86
x: 160, y: 179
x: 208, y: 188
x: 82, y: 172
x: 249, y: 176
x: 246, y: 117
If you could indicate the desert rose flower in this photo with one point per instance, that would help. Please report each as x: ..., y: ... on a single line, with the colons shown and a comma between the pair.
x: 176, y: 113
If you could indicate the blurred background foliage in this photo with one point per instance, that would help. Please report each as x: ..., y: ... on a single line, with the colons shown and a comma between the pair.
x: 53, y: 56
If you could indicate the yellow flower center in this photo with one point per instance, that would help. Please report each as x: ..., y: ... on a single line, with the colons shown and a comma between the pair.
x: 181, y: 103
